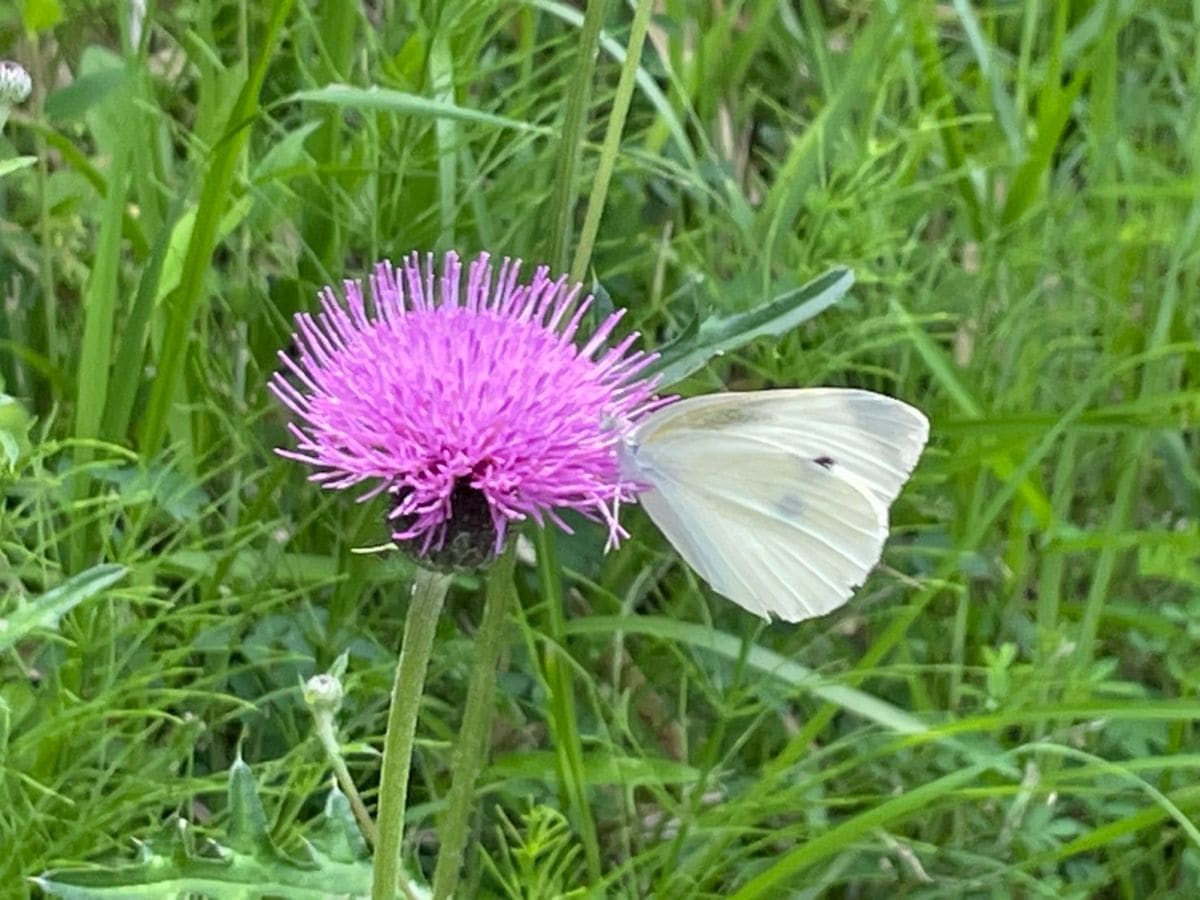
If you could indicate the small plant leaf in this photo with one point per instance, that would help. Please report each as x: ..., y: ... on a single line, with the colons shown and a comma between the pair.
x: 715, y: 335
x: 15, y: 164
x: 337, y: 837
x: 15, y: 422
x: 46, y: 611
x: 248, y: 829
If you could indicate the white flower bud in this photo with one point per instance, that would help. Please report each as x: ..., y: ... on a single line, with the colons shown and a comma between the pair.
x: 15, y: 83
x: 323, y: 694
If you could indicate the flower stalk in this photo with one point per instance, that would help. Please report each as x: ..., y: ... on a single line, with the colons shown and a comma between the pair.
x: 323, y: 695
x: 428, y: 595
x: 476, y: 725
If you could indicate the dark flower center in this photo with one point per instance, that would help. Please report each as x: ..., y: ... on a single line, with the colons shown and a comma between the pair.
x: 470, y: 539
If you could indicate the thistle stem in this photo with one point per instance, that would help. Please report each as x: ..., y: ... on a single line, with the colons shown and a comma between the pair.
x: 428, y: 594
x: 476, y: 725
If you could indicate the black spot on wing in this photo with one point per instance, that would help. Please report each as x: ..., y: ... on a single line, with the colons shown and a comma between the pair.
x: 825, y: 462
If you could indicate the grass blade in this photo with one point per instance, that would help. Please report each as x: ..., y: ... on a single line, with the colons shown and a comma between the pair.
x: 802, y: 168
x: 406, y: 104
x: 761, y: 659
x: 214, y: 197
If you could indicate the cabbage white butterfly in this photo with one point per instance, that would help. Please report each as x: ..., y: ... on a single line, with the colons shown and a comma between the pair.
x: 778, y: 499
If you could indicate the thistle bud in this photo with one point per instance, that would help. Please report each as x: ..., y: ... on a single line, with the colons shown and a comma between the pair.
x: 323, y: 694
x: 15, y: 83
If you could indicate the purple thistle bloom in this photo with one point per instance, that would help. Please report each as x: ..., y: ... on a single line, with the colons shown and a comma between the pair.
x: 472, y: 411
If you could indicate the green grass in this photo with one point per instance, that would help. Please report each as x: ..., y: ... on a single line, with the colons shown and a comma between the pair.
x: 1006, y: 709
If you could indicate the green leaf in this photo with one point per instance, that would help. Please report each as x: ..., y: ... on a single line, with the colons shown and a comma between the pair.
x: 715, y: 335
x: 628, y: 771
x: 404, y: 103
x: 993, y: 75
x: 284, y: 156
x: 8, y: 166
x: 1175, y: 559
x: 15, y: 422
x: 215, y: 195
x: 336, y: 864
x: 40, y: 15
x: 336, y: 836
x: 87, y: 91
x: 916, y: 802
x: 248, y: 830
x: 134, y: 333
x: 46, y: 610
x: 805, y: 164
x: 765, y: 661
x: 157, y: 482
x: 100, y: 312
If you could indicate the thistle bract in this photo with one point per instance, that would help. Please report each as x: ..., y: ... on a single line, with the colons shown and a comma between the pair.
x: 471, y: 404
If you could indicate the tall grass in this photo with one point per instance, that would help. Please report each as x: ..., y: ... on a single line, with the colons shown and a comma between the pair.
x: 1007, y: 707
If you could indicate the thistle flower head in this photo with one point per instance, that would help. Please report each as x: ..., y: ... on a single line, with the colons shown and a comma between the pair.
x: 471, y: 405
x: 15, y: 83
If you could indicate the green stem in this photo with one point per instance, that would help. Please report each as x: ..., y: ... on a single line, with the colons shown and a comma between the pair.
x: 564, y: 722
x: 612, y: 140
x: 428, y: 594
x: 329, y: 742
x: 476, y: 725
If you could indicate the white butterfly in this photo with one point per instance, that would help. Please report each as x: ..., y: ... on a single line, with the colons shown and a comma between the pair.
x: 778, y: 499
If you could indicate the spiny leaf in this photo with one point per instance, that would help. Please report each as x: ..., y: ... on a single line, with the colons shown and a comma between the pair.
x: 249, y: 865
x: 336, y: 836
x: 248, y: 829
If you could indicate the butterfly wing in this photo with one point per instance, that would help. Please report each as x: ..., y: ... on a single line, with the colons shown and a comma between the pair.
x: 778, y: 499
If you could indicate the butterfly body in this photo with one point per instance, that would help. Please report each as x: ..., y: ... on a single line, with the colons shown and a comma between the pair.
x: 778, y: 499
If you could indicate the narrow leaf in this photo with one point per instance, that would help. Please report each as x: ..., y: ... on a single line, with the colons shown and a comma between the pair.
x: 15, y: 164
x: 100, y: 311
x: 772, y: 881
x: 805, y: 161
x: 46, y: 610
x: 598, y: 769
x: 216, y: 193
x: 404, y: 103
x: 990, y: 72
x: 761, y: 659
x: 715, y: 335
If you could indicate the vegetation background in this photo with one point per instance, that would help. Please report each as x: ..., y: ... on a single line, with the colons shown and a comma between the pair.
x: 1006, y: 709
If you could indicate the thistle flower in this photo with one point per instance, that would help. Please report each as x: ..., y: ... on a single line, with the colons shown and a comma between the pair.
x: 471, y: 409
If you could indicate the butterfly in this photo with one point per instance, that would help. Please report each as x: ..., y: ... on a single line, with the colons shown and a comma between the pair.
x: 779, y: 498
